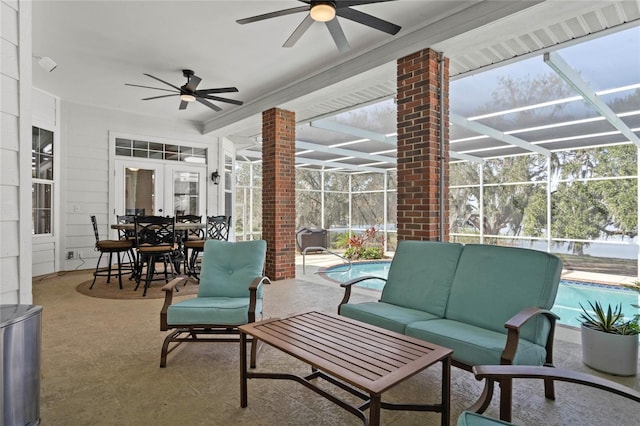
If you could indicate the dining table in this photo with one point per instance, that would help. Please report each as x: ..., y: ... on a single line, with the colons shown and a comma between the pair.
x: 180, y: 228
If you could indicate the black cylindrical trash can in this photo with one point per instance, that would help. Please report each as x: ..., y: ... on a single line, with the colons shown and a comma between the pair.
x: 20, y: 347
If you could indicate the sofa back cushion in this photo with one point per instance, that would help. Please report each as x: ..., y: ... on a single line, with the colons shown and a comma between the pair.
x: 494, y: 283
x: 421, y: 274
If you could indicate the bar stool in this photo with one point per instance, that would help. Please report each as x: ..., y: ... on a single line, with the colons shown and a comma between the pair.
x: 110, y: 246
x: 155, y: 242
x: 217, y: 229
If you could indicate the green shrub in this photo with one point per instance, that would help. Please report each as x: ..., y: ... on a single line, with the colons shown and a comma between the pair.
x: 367, y: 245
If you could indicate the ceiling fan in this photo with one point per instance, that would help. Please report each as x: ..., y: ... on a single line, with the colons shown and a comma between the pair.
x: 326, y: 11
x: 188, y: 92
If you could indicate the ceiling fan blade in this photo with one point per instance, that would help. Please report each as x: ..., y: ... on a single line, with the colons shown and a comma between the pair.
x: 218, y: 90
x: 159, y: 97
x: 209, y: 104
x: 299, y: 31
x: 193, y: 83
x: 183, y: 105
x: 273, y: 15
x: 348, y: 3
x: 219, y: 99
x: 162, y: 81
x: 338, y: 35
x: 148, y: 87
x: 368, y: 20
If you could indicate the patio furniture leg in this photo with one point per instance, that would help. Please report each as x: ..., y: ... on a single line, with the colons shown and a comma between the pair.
x: 374, y: 410
x: 243, y: 370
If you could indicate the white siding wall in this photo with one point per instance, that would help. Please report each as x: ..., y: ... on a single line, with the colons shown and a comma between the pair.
x: 85, y: 169
x: 15, y: 152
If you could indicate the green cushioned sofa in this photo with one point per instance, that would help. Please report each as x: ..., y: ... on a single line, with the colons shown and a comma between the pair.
x: 490, y: 304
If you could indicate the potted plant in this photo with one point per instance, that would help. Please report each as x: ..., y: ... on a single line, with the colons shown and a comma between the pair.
x: 609, y: 341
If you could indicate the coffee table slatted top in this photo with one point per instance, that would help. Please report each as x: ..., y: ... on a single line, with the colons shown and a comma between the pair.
x: 368, y: 357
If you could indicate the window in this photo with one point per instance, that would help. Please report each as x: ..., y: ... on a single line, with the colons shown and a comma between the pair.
x: 160, y: 151
x: 42, y: 178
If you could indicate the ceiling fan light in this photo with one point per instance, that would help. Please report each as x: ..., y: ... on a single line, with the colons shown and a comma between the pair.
x: 323, y: 11
x: 187, y: 98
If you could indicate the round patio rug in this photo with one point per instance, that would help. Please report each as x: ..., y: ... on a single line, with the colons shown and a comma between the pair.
x: 111, y: 290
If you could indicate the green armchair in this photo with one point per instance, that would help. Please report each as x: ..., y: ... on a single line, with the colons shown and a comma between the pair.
x: 229, y: 295
x: 498, y: 373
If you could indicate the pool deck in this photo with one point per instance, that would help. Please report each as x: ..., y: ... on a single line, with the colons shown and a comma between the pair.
x: 315, y: 262
x: 593, y: 277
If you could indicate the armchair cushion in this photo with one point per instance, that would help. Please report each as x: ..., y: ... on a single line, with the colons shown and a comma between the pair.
x: 474, y: 345
x: 211, y: 310
x: 467, y: 418
x: 385, y: 315
x: 234, y: 266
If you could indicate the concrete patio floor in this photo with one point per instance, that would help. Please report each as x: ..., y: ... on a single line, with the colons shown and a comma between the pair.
x: 100, y: 366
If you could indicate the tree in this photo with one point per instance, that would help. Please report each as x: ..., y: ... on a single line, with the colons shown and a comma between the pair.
x: 584, y: 207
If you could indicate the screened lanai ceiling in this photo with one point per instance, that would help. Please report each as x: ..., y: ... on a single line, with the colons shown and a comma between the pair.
x: 584, y: 93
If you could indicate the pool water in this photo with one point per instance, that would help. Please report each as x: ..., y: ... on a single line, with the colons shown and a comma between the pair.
x: 570, y: 293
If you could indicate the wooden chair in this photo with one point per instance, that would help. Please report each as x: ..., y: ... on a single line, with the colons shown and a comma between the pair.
x: 155, y: 241
x: 118, y: 247
x: 501, y: 373
x: 229, y: 295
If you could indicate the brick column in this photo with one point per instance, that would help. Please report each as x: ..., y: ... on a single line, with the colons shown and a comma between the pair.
x: 419, y: 147
x: 279, y: 192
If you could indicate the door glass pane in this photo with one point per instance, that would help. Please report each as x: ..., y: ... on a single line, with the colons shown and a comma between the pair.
x: 139, y: 191
x: 186, y: 196
x: 228, y: 171
x: 41, y: 212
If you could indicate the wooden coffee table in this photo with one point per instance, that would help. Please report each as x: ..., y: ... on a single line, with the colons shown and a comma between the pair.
x: 360, y: 358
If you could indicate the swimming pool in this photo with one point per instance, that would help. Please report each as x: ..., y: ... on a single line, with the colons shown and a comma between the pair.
x: 570, y: 293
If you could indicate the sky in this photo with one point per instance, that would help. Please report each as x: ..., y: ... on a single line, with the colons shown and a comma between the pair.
x: 604, y: 63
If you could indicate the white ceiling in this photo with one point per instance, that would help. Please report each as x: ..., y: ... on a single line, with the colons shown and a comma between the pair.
x: 100, y: 45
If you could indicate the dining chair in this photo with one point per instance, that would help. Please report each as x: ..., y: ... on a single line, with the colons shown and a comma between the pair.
x: 155, y: 242
x: 192, y: 234
x: 119, y: 247
x: 128, y: 234
x: 217, y: 229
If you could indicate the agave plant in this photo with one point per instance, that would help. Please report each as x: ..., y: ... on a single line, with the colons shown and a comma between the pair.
x: 609, y: 321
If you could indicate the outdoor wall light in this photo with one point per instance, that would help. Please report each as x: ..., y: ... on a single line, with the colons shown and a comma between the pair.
x: 323, y: 11
x: 215, y: 178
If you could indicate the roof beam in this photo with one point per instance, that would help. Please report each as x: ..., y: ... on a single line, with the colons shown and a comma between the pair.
x: 338, y: 165
x: 344, y: 152
x: 496, y: 134
x: 466, y: 157
x: 321, y: 163
x: 334, y: 126
x: 573, y: 79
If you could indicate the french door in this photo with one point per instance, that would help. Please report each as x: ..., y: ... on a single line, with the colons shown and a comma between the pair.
x: 158, y: 188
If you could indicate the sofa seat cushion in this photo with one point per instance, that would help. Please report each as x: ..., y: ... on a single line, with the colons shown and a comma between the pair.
x: 474, y: 345
x: 385, y: 315
x: 211, y: 310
